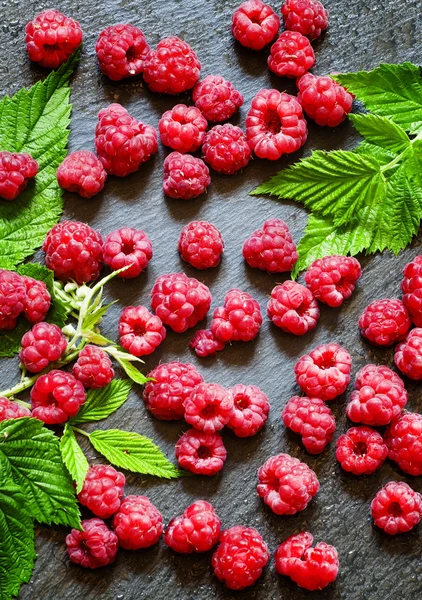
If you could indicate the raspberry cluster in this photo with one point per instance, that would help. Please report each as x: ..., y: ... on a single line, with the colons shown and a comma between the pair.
x: 293, y: 308
x: 361, y: 450
x: 271, y: 248
x: 201, y: 245
x: 311, y: 419
x: 16, y: 170
x: 197, y: 530
x: 22, y: 295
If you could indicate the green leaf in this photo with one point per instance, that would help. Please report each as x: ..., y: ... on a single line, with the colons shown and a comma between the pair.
x: 73, y: 457
x: 381, y: 131
x: 132, y: 372
x: 101, y: 403
x: 384, y: 157
x: 96, y: 316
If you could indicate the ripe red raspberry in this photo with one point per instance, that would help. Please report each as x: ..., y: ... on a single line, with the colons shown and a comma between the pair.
x: 42, y: 345
x: 239, y: 319
x: 183, y: 128
x: 140, y: 331
x: 286, y: 484
x: 385, y: 322
x: 15, y: 172
x: 127, y: 246
x: 137, y: 523
x: 12, y: 410
x: 275, y: 124
x: 216, y: 98
x: 12, y: 298
x: 37, y: 300
x: 201, y: 245
x: 205, y: 343
x: 82, y: 172
x: 408, y: 355
x: 332, y: 279
x: 379, y: 397
x: 291, y: 55
x: 311, y: 568
x: 240, y: 557
x: 312, y: 420
x: 123, y: 143
x: 56, y: 396
x: 324, y: 100
x: 271, y: 248
x: 74, y: 251
x: 325, y: 372
x: 172, y: 68
x: 361, y: 450
x: 201, y: 453
x: 225, y: 149
x: 396, y: 508
x: 180, y: 301
x: 255, y: 24
x: 197, y: 530
x: 293, y: 308
x: 93, y: 368
x: 95, y: 546
x: 208, y: 407
x: 404, y: 441
x: 185, y: 176
x: 102, y: 490
x: 309, y: 17
x: 411, y: 286
x: 121, y: 51
x: 251, y: 408
x: 51, y: 38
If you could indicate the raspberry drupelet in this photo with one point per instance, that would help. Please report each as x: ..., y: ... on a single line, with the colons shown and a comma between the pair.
x: 12, y: 410
x: 127, y: 247
x: 37, y: 300
x: 291, y: 55
x: 93, y: 368
x: 208, y: 407
x: 324, y: 100
x: 271, y: 248
x: 138, y: 523
x: 411, y: 286
x: 82, y: 172
x: 408, y: 355
x: 255, y: 24
x: 396, y: 508
x: 93, y: 547
x: 56, y: 396
x: 12, y: 298
x: 205, y: 343
x: 42, y: 345
x: 201, y: 453
x: 201, y: 245
x: 250, y: 410
x: 332, y: 279
x: 216, y: 98
x: 226, y: 149
x: 239, y: 319
x: 121, y: 51
x: 309, y: 17
x: 404, y: 441
x: 103, y: 490
x: 385, y: 322
x: 183, y: 128
x: 293, y: 308
x: 140, y: 331
x: 312, y: 420
x: 185, y: 176
x: 197, y: 530
x: 16, y: 169
x: 361, y: 450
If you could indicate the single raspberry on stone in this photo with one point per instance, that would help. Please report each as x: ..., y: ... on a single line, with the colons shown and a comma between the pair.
x: 408, y: 355
x: 102, y: 490
x: 201, y: 245
x: 56, y: 396
x: 309, y: 17
x: 404, y: 441
x: 37, y: 300
x: 123, y: 143
x: 275, y: 124
x: 183, y: 128
x: 82, y: 172
x: 95, y: 546
x: 379, y: 397
x: 93, y: 368
x: 396, y: 508
x: 271, y: 248
x: 240, y: 558
x: 169, y: 385
x: 286, y: 484
x: 42, y: 345
x: 16, y: 169
x: 411, y: 286
x: 137, y: 523
x: 200, y: 452
x: 172, y: 68
x: 140, y: 331
x: 361, y: 450
x: 180, y: 301
x: 226, y: 149
x: 325, y: 372
x: 205, y: 343
x: 239, y: 319
x: 255, y: 24
x: 291, y: 55
x: 385, y: 322
x: 197, y: 530
x: 74, y: 251
x: 251, y: 408
x: 51, y: 38
x: 12, y: 410
x: 216, y: 98
x: 311, y: 568
x: 293, y: 308
x: 332, y: 279
x: 127, y: 246
x: 312, y: 420
x: 121, y: 51
x: 185, y: 176
x: 12, y: 298
x: 208, y: 407
x: 324, y: 100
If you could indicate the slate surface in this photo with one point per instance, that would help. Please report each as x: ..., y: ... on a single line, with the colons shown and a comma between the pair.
x: 362, y: 34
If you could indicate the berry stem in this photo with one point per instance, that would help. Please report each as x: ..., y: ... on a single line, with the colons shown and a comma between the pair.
x: 81, y: 431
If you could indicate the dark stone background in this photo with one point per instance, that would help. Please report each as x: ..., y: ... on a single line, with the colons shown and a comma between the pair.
x: 362, y: 34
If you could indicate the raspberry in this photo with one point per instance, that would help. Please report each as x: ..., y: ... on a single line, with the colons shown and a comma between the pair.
x: 37, y: 300
x: 180, y: 301
x: 205, y: 343
x: 51, y: 38
x: 102, y: 490
x: 185, y: 176
x: 396, y: 508
x: 12, y: 410
x: 311, y: 568
x: 332, y: 279
x: 74, y: 251
x: 411, y: 286
x: 200, y: 452
x: 251, y: 408
x: 12, y: 298
x: 172, y: 68
x: 271, y: 248
x: 361, y: 450
x: 208, y: 407
x: 225, y: 149
x: 95, y: 546
x: 42, y: 345
x: 255, y: 24
x: 324, y: 100
x: 408, y: 355
x: 293, y: 308
x: 291, y: 55
x: 240, y: 557
x: 308, y: 17
x: 82, y: 172
x: 121, y: 51
x: 127, y: 246
x: 216, y: 98
x: 183, y: 128
x: 15, y: 172
x: 137, y: 523
x: 197, y: 530
x: 239, y: 319
x: 311, y: 419
x: 168, y: 387
x: 325, y: 372
x: 140, y: 331
x: 123, y: 143
x: 385, y: 322
x: 286, y: 484
x: 201, y: 245
x: 93, y: 368
x: 275, y: 124
x: 56, y: 397
x: 379, y: 397
x: 404, y: 441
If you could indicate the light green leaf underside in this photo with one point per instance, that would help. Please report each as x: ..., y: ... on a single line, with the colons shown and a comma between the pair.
x: 73, y: 457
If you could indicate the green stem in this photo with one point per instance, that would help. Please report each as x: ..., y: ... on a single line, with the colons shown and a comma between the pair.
x: 81, y: 431
x: 392, y: 163
x: 22, y: 403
